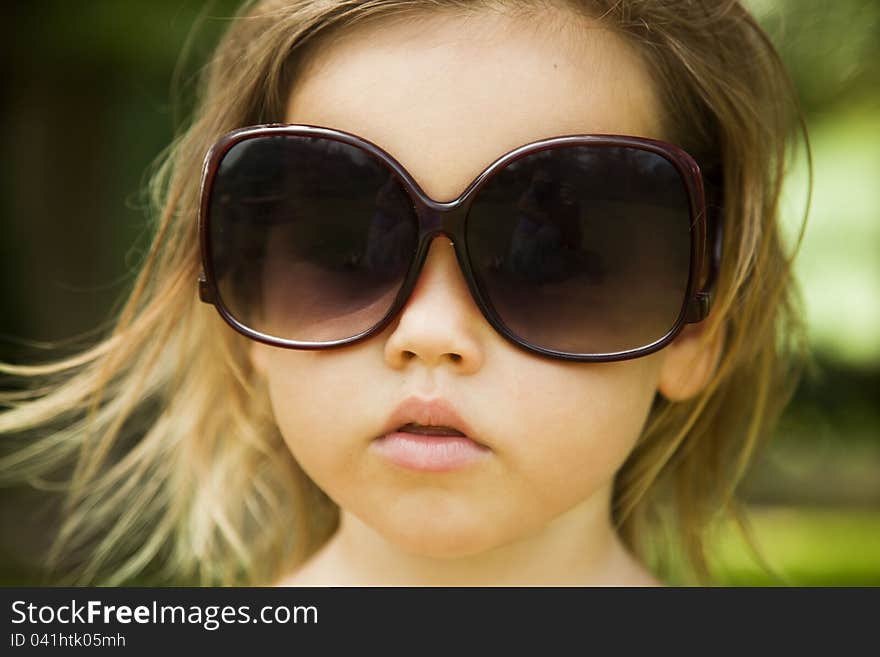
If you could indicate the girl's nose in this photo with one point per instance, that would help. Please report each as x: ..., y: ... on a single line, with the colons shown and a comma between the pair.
x: 440, y: 323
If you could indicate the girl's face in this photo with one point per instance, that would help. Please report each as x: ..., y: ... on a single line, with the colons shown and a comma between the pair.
x: 446, y: 96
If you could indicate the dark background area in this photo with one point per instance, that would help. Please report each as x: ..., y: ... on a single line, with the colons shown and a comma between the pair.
x: 93, y: 91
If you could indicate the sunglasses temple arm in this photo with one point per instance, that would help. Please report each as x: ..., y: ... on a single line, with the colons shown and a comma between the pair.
x: 206, y: 294
x: 700, y: 305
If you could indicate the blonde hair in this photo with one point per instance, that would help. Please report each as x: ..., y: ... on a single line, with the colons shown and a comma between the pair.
x: 161, y: 434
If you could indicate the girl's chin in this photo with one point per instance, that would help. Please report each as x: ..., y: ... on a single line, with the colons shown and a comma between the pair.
x: 436, y: 541
x: 445, y: 550
x: 434, y: 524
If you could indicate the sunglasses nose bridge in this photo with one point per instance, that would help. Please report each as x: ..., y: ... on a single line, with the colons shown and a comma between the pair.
x: 441, y: 219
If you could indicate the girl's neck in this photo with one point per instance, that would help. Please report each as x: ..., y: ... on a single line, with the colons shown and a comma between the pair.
x: 579, y: 547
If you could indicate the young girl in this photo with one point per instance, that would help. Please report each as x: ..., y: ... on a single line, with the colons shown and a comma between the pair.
x: 500, y: 298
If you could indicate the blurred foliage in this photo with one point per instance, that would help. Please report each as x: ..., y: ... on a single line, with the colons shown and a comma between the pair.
x: 839, y: 262
x: 832, y: 49
x: 829, y: 441
x: 109, y: 37
x: 94, y: 92
x: 801, y: 547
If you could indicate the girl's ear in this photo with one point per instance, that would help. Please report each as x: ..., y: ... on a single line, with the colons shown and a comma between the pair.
x: 691, y: 360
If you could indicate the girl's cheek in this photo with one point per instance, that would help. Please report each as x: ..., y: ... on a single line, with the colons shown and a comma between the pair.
x: 316, y: 409
x: 591, y: 421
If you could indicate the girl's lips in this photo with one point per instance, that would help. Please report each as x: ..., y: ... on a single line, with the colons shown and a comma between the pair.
x: 429, y: 453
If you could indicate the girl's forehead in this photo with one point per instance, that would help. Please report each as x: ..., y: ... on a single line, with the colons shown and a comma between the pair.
x: 446, y: 96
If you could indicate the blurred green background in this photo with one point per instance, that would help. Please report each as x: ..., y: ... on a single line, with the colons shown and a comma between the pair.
x: 92, y: 92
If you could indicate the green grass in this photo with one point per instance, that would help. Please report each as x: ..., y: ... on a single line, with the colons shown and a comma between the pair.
x: 803, y: 547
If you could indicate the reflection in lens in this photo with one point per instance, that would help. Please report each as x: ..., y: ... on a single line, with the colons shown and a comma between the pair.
x: 310, y: 238
x: 584, y: 249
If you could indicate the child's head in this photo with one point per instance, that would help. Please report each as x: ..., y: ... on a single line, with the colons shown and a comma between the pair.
x: 250, y: 442
x: 447, y: 94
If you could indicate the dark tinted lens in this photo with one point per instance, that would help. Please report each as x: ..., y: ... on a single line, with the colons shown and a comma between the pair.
x: 584, y: 249
x: 310, y: 238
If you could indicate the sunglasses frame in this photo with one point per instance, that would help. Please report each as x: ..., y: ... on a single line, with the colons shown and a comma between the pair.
x: 449, y: 219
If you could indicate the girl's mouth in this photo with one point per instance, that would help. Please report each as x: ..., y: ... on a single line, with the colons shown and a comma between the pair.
x: 429, y: 448
x: 429, y: 430
x: 428, y: 435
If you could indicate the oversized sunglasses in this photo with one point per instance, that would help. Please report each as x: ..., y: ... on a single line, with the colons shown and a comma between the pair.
x: 579, y: 247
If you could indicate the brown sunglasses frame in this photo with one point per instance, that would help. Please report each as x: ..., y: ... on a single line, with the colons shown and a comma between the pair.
x: 449, y: 218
